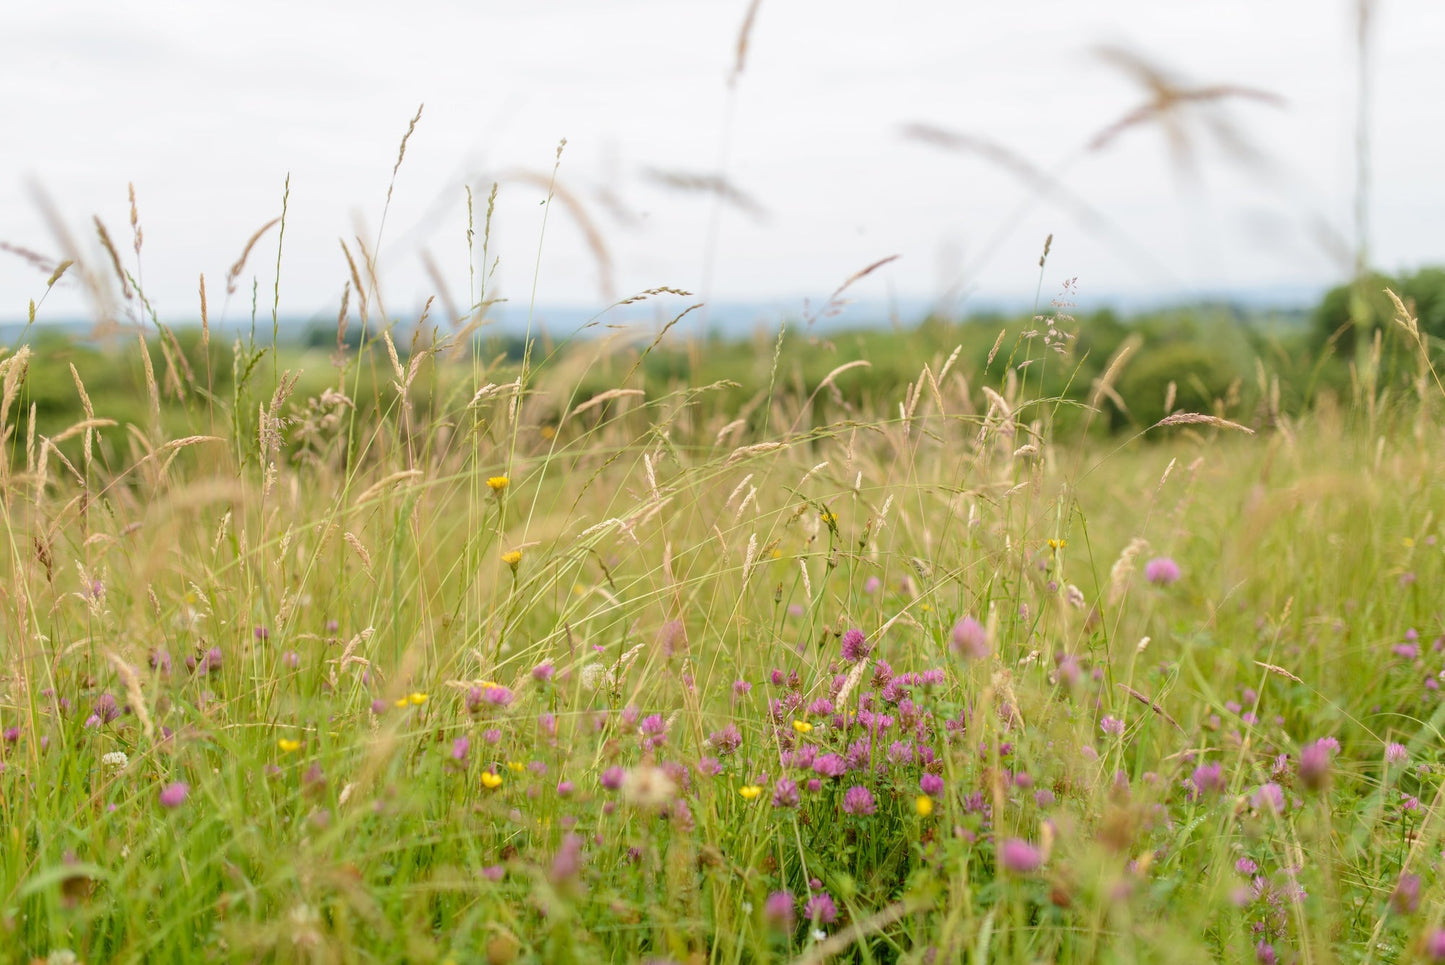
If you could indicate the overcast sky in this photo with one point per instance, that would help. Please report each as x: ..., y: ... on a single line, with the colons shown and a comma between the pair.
x: 207, y: 106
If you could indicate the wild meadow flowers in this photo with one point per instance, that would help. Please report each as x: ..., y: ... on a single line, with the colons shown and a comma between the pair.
x: 1162, y: 570
x: 703, y: 717
x: 174, y: 795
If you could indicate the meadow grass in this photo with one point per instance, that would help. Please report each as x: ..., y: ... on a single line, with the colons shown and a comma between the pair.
x: 498, y: 671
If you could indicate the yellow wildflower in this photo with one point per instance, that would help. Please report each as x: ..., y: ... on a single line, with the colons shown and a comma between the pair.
x: 750, y: 792
x: 802, y: 726
x: 288, y: 745
x: 491, y: 780
x: 417, y: 699
x: 1058, y: 544
x: 498, y: 483
x: 512, y: 558
x: 516, y: 767
x: 923, y: 804
x: 400, y: 702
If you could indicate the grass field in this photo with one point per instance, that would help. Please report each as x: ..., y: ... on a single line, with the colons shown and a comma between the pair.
x: 633, y: 648
x: 520, y: 675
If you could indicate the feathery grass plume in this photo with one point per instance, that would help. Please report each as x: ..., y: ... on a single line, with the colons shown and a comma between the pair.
x: 12, y: 379
x: 1275, y: 669
x: 58, y: 274
x: 1041, y: 182
x: 591, y: 234
x: 401, y: 152
x: 100, y: 294
x: 152, y: 390
x: 1198, y: 418
x: 1143, y: 699
x: 1103, y: 386
x: 745, y: 33
x: 713, y: 184
x: 86, y: 407
x: 1123, y: 568
x: 356, y: 545
x: 371, y: 493
x: 276, y: 287
x: 135, y: 696
x: 120, y: 272
x: 1168, y: 107
x: 205, y: 320
x: 602, y: 398
x: 135, y: 228
x: 38, y: 261
x: 833, y: 303
x: 239, y: 265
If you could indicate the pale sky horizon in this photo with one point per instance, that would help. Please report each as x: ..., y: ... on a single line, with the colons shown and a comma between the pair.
x: 207, y: 107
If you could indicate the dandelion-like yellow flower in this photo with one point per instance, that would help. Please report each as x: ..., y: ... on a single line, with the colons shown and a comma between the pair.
x: 491, y: 780
x: 512, y: 558
x: 802, y: 726
x: 288, y: 745
x: 400, y: 702
x: 750, y: 792
x: 829, y: 519
x: 1058, y: 544
x: 498, y: 483
x: 417, y: 699
x: 923, y: 804
x: 516, y: 767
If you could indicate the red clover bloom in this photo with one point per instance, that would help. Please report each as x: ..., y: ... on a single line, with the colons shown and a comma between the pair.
x: 780, y: 911
x: 1020, y: 857
x: 858, y: 801
x: 1161, y: 571
x: 174, y: 795
x: 1314, y: 766
x: 970, y: 639
x: 821, y: 910
x: 785, y: 793
x: 855, y: 646
x: 1435, y: 945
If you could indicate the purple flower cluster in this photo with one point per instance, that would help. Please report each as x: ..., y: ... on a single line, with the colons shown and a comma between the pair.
x: 727, y: 740
x: 858, y: 801
x: 1162, y: 571
x: 970, y: 639
x: 855, y: 646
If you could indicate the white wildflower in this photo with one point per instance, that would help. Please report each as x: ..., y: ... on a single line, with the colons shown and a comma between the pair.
x: 647, y: 787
